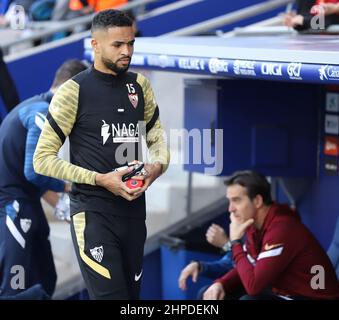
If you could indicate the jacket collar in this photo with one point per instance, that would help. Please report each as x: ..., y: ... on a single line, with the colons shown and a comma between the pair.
x: 107, y: 77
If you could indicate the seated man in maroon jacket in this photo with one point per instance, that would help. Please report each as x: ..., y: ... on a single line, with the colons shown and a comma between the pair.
x: 279, y: 258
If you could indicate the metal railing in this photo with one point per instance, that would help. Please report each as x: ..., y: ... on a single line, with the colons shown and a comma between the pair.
x: 229, y: 18
x: 52, y: 27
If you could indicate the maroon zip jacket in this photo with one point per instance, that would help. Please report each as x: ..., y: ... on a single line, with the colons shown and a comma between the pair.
x: 281, y: 256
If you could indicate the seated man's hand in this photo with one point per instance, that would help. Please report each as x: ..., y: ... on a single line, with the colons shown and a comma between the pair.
x: 214, y: 292
x: 293, y: 20
x: 238, y: 228
x: 192, y: 270
x: 216, y: 236
x: 287, y: 19
x: 112, y: 181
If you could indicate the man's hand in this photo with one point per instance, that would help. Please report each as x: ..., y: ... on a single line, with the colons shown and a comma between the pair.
x: 325, y: 9
x: 216, y: 236
x: 237, y: 229
x: 51, y: 197
x: 112, y: 181
x: 192, y: 270
x: 287, y: 19
x: 291, y: 20
x: 214, y: 292
x: 153, y: 172
x: 68, y: 187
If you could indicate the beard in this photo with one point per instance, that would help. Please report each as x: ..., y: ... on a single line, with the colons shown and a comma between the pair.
x: 113, y: 66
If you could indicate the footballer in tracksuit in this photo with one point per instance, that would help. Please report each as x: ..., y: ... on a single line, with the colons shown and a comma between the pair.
x: 102, y: 110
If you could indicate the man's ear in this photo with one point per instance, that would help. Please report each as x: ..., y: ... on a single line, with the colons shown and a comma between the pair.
x: 95, y: 45
x: 258, y: 201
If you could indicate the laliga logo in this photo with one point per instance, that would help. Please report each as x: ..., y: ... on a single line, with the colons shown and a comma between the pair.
x: 216, y: 65
x: 162, y: 61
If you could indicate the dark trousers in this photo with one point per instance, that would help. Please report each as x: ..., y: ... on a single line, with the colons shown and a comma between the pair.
x: 110, y: 253
x: 24, y: 246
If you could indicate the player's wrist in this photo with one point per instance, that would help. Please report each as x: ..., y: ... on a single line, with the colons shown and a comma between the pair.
x: 158, y: 168
x: 98, y: 179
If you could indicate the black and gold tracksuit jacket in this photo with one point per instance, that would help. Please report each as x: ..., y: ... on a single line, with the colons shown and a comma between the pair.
x: 104, y: 117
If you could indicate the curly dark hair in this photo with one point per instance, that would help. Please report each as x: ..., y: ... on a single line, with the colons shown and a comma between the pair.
x: 110, y: 18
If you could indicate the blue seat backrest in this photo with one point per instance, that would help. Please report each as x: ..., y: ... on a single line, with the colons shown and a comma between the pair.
x: 333, y: 250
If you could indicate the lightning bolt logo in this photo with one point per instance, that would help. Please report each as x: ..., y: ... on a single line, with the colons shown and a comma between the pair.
x: 105, y: 132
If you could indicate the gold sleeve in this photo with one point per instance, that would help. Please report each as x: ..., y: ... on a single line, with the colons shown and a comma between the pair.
x: 155, y: 135
x: 58, y: 125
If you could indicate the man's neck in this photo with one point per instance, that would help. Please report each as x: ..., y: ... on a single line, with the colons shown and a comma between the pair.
x: 261, y: 215
x: 102, y: 68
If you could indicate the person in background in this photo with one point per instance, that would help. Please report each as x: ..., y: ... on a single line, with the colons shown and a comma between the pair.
x: 83, y: 7
x: 216, y: 236
x: 274, y: 253
x: 308, y: 9
x: 328, y: 8
x: 24, y: 230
